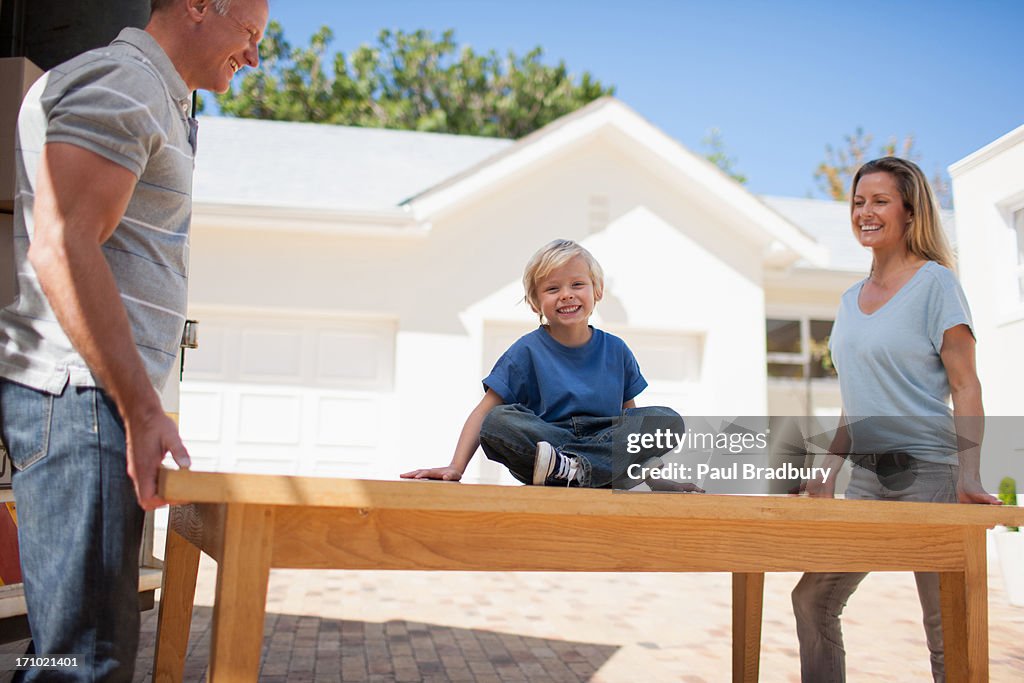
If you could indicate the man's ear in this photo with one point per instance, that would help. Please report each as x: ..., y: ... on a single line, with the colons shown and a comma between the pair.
x: 197, y: 9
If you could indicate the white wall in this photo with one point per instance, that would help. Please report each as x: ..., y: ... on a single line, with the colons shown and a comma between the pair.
x: 987, y: 187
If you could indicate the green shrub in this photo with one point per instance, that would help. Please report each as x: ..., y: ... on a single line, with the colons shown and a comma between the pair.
x: 1008, y: 494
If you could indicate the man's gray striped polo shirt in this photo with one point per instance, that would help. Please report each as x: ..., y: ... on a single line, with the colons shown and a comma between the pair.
x: 127, y: 103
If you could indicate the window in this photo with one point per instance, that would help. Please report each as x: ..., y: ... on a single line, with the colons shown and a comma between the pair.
x: 1018, y: 229
x: 798, y: 348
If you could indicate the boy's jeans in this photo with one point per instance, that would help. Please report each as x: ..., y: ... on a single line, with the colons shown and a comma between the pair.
x: 79, y: 529
x: 510, y: 433
x: 819, y: 599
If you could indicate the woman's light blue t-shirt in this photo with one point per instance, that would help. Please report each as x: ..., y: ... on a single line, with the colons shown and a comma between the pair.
x: 558, y: 382
x: 894, y: 387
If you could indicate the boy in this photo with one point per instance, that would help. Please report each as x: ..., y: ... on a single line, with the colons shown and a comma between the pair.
x: 560, y: 401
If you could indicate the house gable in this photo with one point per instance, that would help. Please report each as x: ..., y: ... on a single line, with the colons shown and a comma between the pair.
x: 608, y: 121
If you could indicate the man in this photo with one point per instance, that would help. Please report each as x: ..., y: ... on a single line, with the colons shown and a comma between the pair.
x: 105, y: 158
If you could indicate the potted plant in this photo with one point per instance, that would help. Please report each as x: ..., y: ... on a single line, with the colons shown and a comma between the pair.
x: 1011, y: 548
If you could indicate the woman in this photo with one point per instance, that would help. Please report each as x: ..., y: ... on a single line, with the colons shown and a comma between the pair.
x: 902, y: 345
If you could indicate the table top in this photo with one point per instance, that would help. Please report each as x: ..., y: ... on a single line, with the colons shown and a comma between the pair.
x: 183, y: 486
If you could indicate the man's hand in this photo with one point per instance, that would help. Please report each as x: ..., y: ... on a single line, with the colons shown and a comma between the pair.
x: 150, y: 437
x: 443, y: 473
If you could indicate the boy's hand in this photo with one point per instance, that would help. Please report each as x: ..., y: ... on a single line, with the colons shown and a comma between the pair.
x: 443, y: 473
x: 673, y: 486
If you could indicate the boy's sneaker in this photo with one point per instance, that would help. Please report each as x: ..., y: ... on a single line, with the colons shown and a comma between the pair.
x: 550, y: 465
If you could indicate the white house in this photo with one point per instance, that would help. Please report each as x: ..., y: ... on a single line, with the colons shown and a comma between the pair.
x: 988, y: 190
x: 354, y: 285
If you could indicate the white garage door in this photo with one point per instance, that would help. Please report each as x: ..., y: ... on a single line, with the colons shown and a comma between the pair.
x: 287, y: 394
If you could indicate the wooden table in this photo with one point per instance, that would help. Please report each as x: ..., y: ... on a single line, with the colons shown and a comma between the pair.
x: 251, y: 523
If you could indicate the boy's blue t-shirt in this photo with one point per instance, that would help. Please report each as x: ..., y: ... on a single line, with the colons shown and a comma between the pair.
x: 558, y: 382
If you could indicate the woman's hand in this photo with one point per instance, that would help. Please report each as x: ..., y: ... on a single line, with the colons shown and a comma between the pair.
x: 825, y: 485
x: 970, y: 490
x: 673, y: 486
x: 821, y: 488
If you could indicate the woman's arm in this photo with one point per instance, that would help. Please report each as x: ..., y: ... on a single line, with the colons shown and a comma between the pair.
x: 838, y: 451
x: 968, y: 414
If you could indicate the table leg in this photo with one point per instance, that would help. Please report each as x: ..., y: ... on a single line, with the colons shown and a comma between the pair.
x: 965, y: 614
x: 747, y: 597
x: 240, y: 606
x: 177, y: 593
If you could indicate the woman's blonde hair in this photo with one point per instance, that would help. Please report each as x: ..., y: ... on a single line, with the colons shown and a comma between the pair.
x: 925, y: 237
x: 556, y: 254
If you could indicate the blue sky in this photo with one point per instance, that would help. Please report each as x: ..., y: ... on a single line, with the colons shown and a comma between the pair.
x: 779, y: 79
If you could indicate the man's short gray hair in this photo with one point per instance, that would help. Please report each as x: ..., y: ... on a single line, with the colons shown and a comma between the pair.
x: 219, y: 6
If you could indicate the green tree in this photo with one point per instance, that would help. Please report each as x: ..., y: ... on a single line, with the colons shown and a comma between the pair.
x: 408, y: 81
x: 716, y: 154
x: 836, y: 172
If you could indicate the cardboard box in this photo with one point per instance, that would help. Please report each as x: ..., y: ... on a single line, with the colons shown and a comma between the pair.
x: 17, y: 74
x: 8, y: 284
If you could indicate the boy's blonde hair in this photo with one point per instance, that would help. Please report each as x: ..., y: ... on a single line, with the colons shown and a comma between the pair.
x: 556, y: 254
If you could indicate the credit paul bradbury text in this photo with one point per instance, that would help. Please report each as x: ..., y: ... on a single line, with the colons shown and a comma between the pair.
x: 732, y: 472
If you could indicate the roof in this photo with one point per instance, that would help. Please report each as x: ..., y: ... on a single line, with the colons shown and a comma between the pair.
x: 611, y: 120
x: 308, y: 165
x: 828, y: 222
x: 1009, y: 141
x: 327, y: 168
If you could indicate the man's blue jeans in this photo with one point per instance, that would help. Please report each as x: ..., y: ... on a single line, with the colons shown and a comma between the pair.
x: 510, y: 433
x: 79, y: 529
